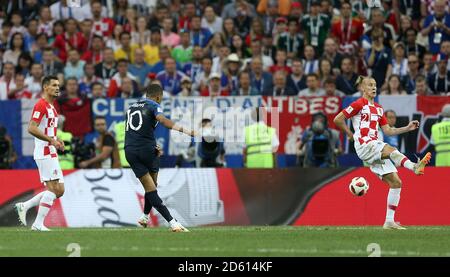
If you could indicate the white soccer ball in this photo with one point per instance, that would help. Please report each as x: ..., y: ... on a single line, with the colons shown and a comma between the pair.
x: 358, y: 186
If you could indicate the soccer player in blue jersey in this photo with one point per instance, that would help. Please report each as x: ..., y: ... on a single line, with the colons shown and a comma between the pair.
x: 142, y: 152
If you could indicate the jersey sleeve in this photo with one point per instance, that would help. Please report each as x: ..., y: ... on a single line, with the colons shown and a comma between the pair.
x: 353, y: 109
x: 156, y: 109
x: 38, y: 112
x: 382, y: 121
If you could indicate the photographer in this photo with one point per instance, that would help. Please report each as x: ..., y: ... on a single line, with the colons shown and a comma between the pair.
x: 107, y: 152
x: 7, y: 154
x: 210, y: 151
x: 320, y: 145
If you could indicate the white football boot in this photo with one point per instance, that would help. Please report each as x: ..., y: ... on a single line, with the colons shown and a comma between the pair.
x: 393, y: 225
x: 40, y: 228
x: 22, y: 213
x: 177, y: 227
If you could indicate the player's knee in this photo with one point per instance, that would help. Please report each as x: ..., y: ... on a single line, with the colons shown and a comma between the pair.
x: 396, y: 184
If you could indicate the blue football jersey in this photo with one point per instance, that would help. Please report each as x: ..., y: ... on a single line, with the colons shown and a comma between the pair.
x: 140, y: 124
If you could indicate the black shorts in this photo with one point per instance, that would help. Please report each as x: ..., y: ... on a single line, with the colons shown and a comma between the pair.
x: 142, y: 161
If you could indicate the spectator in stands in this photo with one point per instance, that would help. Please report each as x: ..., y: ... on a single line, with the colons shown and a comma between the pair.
x: 280, y: 28
x: 399, y: 63
x: 310, y: 63
x: 140, y: 35
x: 391, y: 120
x: 101, y: 26
x: 210, y: 150
x: 280, y: 63
x: 224, y: 51
x: 229, y: 30
x: 231, y: 68
x: 7, y: 83
x: 394, y: 86
x: 88, y: 79
x: 164, y: 53
x: 211, y: 21
x: 256, y: 52
x: 24, y: 64
x: 238, y: 47
x: 279, y: 86
x: 45, y: 21
x: 268, y: 48
x: 331, y: 53
x: 346, y: 80
x: 30, y: 36
x: 325, y: 71
x: 296, y: 81
x: 329, y: 87
x: 437, y: 26
x: 199, y: 36
x: 71, y: 89
x: 126, y: 90
x: 428, y: 64
x: 409, y: 80
x: 421, y: 86
x: 70, y: 39
x: 316, y: 27
x: 152, y: 49
x: 379, y: 58
x: 107, y: 68
x: 201, y: 79
x: 57, y: 29
x: 16, y: 47
x: 168, y: 37
x: 21, y: 90
x: 51, y: 66
x: 214, y: 45
x: 186, y: 87
x: 34, y: 82
x: 126, y: 50
x: 97, y: 91
x: 40, y: 44
x: 183, y: 52
x: 292, y: 41
x: 445, y: 49
x: 74, y: 66
x: 188, y: 12
x: 312, y: 86
x: 95, y: 53
x: 106, y: 147
x: 61, y: 11
x: 439, y: 82
x: 230, y: 10
x: 86, y: 30
x: 242, y: 22
x: 378, y: 23
x: 170, y: 78
x: 411, y: 45
x: 140, y: 68
x: 30, y: 11
x: 17, y: 26
x: 347, y: 30
x: 194, y: 67
x: 114, y: 41
x: 214, y: 88
x: 245, y: 88
x: 260, y: 79
x: 117, y: 80
x: 256, y: 31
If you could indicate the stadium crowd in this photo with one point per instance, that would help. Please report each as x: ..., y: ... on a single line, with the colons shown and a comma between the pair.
x: 114, y: 48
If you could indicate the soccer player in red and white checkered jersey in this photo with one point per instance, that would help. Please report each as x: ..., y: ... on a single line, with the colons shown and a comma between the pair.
x: 367, y: 116
x: 43, y: 126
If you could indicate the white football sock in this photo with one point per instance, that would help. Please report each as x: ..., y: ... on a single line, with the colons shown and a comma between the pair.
x: 44, y: 207
x: 392, y: 203
x: 33, y: 202
x: 144, y: 216
x: 401, y: 160
x: 172, y: 222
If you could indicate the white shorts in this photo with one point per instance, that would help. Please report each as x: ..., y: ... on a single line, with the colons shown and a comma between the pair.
x: 49, y: 170
x: 370, y: 153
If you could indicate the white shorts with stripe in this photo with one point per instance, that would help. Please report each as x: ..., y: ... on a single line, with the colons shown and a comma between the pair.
x: 49, y: 170
x: 370, y: 152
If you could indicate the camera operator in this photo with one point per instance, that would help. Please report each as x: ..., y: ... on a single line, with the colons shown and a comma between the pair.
x: 7, y: 154
x: 320, y: 145
x: 210, y: 151
x: 107, y: 152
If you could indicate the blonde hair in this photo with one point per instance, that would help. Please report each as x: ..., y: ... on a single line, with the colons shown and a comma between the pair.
x: 359, y: 80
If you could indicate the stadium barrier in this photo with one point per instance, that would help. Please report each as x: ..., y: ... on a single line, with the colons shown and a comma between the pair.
x: 196, y: 197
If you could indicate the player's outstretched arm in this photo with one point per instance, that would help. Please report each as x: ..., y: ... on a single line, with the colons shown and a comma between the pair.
x: 339, y: 120
x: 33, y: 129
x: 169, y: 124
x: 392, y: 131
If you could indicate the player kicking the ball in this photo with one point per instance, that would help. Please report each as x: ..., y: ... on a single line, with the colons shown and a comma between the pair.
x: 366, y: 116
x: 43, y: 126
x: 142, y: 152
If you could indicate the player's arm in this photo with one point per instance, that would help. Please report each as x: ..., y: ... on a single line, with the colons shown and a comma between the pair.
x: 33, y: 129
x: 339, y: 120
x: 106, y: 153
x: 392, y: 131
x: 169, y: 124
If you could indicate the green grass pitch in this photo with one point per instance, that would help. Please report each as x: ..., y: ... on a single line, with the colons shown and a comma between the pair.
x: 227, y: 241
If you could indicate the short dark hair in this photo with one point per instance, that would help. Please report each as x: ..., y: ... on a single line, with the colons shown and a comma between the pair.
x: 312, y: 75
x: 122, y: 61
x: 124, y: 33
x: 390, y: 111
x: 96, y: 84
x: 99, y: 117
x: 153, y: 90
x: 47, y: 79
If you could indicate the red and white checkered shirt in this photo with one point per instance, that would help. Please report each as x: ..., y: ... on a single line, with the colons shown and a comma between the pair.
x: 46, y: 116
x: 366, y: 118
